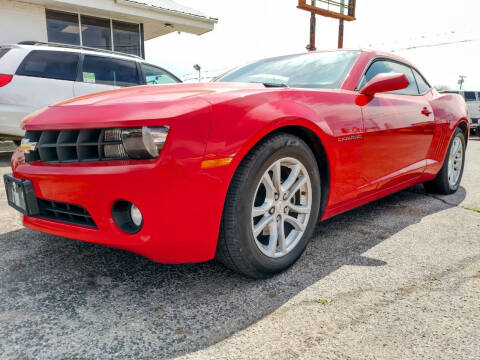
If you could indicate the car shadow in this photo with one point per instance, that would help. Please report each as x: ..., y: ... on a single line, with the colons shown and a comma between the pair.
x: 67, y: 299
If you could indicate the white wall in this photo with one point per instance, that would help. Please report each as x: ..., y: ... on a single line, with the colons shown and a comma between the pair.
x: 20, y: 21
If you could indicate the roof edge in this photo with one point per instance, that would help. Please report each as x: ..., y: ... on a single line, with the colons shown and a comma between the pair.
x: 171, y: 11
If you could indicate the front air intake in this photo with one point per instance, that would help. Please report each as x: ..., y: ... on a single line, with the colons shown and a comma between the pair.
x: 60, y: 146
x: 63, y: 212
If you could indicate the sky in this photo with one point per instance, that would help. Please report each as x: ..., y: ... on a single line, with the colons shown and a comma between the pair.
x: 249, y: 30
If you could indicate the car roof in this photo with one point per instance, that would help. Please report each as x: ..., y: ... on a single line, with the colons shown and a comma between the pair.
x: 75, y: 49
x: 369, y: 52
x: 376, y: 53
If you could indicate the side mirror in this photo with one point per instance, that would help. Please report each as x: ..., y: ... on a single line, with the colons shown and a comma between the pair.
x: 385, y: 83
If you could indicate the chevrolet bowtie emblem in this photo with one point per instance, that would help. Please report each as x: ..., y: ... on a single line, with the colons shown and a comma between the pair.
x: 26, y: 146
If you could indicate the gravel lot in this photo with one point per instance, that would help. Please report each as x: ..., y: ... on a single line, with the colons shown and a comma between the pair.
x: 398, y: 278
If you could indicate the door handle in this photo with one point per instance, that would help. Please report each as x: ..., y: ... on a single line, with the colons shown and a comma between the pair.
x: 426, y: 112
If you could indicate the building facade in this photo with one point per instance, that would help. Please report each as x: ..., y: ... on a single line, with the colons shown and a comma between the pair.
x: 118, y: 25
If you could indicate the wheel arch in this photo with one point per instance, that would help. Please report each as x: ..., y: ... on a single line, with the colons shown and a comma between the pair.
x: 463, y: 125
x: 312, y: 135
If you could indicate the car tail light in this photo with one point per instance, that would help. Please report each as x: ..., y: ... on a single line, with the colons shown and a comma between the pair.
x: 5, y: 79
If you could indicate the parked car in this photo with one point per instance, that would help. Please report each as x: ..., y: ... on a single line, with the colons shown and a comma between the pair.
x: 472, y: 99
x: 34, y: 75
x: 240, y: 169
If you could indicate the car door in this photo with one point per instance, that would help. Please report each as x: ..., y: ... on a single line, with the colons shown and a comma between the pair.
x: 398, y: 131
x: 43, y: 78
x: 101, y: 73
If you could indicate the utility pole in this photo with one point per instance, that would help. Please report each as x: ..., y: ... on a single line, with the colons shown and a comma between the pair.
x: 461, y: 81
x: 313, y: 29
x: 199, y: 69
x: 340, y: 27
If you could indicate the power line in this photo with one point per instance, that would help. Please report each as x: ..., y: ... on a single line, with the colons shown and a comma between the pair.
x: 437, y: 44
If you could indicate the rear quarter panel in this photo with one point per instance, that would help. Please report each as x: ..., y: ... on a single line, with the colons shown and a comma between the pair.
x: 449, y: 110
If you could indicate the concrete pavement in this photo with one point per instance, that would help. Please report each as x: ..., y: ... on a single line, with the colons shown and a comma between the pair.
x: 395, y: 279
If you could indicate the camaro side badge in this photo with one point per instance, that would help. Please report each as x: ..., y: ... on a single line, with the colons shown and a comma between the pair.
x: 26, y: 146
x: 348, y: 138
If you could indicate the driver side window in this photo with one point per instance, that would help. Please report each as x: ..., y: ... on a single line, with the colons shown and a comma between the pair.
x: 383, y: 66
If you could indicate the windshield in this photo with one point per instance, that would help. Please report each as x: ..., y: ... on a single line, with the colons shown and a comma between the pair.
x: 315, y: 70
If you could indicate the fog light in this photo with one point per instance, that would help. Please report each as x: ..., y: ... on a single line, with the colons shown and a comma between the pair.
x: 136, y: 215
x: 127, y: 216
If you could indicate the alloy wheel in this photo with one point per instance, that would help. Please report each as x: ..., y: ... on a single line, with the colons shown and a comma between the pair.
x: 281, y: 207
x: 455, y: 162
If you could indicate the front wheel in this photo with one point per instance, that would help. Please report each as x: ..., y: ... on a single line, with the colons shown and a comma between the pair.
x: 271, y: 207
x: 448, y: 179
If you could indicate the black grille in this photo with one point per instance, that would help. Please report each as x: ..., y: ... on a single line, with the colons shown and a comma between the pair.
x: 58, y: 146
x: 69, y: 213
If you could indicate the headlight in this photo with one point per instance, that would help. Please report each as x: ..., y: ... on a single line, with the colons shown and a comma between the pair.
x: 135, y: 143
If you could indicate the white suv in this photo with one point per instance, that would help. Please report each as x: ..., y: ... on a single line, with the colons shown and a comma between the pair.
x: 34, y: 75
x: 472, y: 98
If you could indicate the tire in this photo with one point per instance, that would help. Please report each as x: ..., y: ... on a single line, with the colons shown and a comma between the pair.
x: 441, y: 184
x: 257, y: 256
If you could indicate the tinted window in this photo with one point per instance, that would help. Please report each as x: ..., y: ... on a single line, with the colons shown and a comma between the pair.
x: 314, y: 70
x: 96, y: 32
x: 62, y: 27
x: 470, y: 96
x: 50, y: 64
x: 155, y: 75
x: 103, y: 70
x: 126, y: 37
x: 3, y: 52
x: 423, y: 86
x: 382, y: 67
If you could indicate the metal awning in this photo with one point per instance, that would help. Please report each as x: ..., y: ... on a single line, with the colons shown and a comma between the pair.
x: 159, y: 17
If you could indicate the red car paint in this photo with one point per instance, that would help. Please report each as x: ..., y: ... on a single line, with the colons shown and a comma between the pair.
x: 374, y: 146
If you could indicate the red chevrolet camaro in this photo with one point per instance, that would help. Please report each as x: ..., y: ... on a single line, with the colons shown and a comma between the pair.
x: 240, y: 169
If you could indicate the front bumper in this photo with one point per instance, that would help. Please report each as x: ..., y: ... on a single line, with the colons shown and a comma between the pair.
x: 181, y: 203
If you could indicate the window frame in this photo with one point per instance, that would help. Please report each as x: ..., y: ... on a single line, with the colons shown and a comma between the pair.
x: 114, y: 22
x: 82, y: 61
x: 143, y: 75
x: 47, y: 10
x: 50, y: 51
x: 82, y: 17
x: 423, y: 78
x: 384, y: 58
x: 78, y: 15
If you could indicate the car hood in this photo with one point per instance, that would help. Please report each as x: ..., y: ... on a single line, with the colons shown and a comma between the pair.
x: 129, y: 106
x: 160, y: 93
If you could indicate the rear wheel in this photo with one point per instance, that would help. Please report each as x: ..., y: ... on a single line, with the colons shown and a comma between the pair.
x: 448, y: 179
x: 271, y: 207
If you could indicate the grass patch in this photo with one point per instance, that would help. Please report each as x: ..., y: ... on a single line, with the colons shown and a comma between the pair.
x: 471, y: 209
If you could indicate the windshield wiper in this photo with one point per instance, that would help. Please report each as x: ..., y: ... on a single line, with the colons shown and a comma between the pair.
x: 273, y: 85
